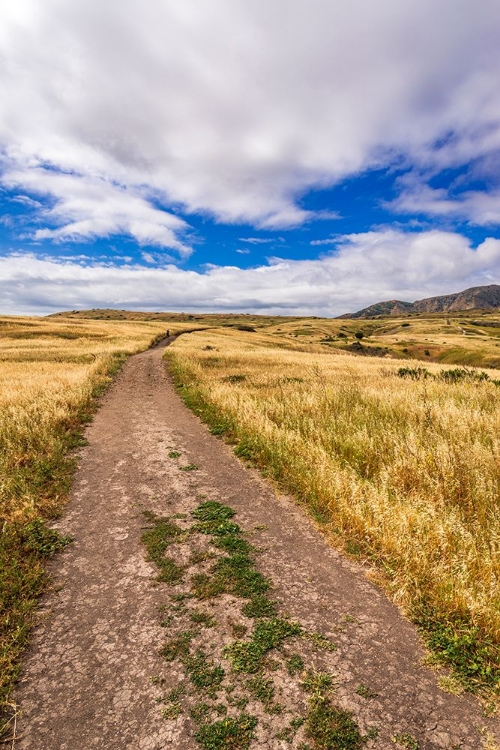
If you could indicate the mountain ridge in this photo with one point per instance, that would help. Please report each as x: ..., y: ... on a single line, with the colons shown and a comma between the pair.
x: 474, y: 298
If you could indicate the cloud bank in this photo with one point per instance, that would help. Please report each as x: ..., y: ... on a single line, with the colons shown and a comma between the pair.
x: 125, y: 114
x: 365, y: 269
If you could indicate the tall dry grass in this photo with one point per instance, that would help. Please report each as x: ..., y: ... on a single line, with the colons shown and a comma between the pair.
x: 50, y: 372
x: 403, y: 472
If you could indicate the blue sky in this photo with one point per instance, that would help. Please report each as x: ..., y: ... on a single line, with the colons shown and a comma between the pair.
x: 290, y: 157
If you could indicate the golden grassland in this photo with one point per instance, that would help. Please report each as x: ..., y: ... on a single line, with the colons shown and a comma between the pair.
x: 50, y: 372
x: 400, y: 468
x: 469, y: 338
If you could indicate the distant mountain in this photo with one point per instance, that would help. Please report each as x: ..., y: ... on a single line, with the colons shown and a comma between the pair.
x: 475, y: 298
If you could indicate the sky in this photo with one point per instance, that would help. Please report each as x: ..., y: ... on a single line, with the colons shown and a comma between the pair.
x: 292, y: 157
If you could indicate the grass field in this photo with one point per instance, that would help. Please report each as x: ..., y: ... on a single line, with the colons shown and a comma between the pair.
x: 471, y: 338
x: 398, y: 462
x: 51, y: 370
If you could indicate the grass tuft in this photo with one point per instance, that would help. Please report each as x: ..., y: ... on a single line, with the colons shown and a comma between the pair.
x: 157, y: 538
x: 211, y: 510
x: 332, y: 728
x: 248, y: 656
x: 228, y: 734
x: 203, y: 673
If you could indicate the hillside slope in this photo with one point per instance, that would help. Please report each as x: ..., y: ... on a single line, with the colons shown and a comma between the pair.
x: 475, y: 298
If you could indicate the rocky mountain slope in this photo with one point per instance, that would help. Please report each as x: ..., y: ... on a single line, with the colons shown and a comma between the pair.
x: 475, y: 298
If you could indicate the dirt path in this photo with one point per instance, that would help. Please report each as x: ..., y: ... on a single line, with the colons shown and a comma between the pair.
x: 94, y: 677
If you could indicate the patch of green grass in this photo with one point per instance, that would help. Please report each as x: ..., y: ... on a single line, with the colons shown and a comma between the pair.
x: 189, y: 467
x: 212, y: 511
x: 365, y: 692
x: 216, y: 528
x: 173, y: 711
x: 261, y: 688
x: 259, y: 606
x: 232, y: 543
x: 228, y: 734
x: 24, y: 550
x: 205, y: 587
x: 239, y: 576
x: 331, y: 728
x: 157, y: 538
x: 317, y: 683
x: 328, y: 726
x: 288, y: 733
x: 200, y: 712
x: 203, y: 618
x: 198, y: 556
x: 294, y: 664
x: 39, y: 538
x: 232, y: 574
x: 203, y: 673
x: 460, y: 645
x: 177, y: 647
x: 248, y: 656
x: 275, y: 709
x: 176, y: 693
x: 174, y: 454
x: 320, y: 641
x: 238, y: 629
x: 406, y: 741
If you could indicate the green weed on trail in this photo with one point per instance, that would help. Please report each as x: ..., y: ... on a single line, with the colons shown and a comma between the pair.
x: 157, y: 538
x: 228, y: 734
x: 212, y: 692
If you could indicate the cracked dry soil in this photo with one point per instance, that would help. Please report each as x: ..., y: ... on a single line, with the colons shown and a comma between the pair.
x: 94, y: 676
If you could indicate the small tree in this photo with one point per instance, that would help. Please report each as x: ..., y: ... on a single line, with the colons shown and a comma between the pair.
x: 359, y: 335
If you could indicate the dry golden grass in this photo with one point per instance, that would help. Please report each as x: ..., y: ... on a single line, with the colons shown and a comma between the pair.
x: 48, y: 372
x: 461, y: 338
x: 403, y: 472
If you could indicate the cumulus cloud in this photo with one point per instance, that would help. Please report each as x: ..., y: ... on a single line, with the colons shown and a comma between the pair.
x: 235, y: 109
x: 364, y: 269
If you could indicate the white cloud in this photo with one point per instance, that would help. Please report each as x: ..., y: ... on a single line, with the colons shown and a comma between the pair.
x: 87, y: 208
x: 234, y: 108
x: 25, y: 200
x: 243, y: 252
x: 366, y: 268
x: 327, y: 241
x: 256, y: 240
x: 478, y: 208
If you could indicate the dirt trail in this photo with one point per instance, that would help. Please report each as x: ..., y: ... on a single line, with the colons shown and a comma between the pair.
x: 88, y: 678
